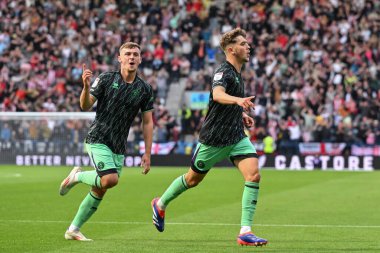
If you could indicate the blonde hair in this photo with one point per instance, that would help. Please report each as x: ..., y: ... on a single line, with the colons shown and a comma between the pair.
x: 230, y: 37
x: 129, y: 45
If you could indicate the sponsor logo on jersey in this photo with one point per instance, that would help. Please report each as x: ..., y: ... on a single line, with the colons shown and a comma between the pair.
x: 95, y: 83
x: 218, y: 76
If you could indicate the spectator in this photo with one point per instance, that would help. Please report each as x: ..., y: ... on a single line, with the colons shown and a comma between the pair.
x: 316, y: 61
x: 5, y: 133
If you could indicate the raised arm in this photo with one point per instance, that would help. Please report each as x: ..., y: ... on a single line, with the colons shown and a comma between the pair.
x: 86, y: 100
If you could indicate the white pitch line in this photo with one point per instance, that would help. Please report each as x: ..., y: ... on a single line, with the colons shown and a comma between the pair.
x: 11, y: 175
x: 200, y: 224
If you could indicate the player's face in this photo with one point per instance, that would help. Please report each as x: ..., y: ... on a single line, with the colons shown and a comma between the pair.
x: 241, y: 49
x: 130, y: 58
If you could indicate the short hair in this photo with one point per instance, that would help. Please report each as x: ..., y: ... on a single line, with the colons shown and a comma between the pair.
x: 129, y: 45
x: 230, y: 37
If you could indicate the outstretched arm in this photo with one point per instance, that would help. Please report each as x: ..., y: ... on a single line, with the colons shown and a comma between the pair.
x: 220, y: 96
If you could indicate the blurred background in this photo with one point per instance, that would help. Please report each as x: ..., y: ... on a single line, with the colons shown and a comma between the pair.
x: 315, y: 72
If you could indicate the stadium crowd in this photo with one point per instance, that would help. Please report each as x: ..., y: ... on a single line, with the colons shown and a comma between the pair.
x: 315, y: 66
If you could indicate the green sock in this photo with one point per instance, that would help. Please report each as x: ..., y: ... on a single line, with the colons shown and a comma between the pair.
x: 86, y: 209
x: 90, y: 177
x: 250, y: 194
x: 175, y: 189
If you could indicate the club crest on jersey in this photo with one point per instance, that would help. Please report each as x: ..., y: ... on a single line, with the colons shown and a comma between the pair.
x: 100, y: 165
x: 135, y: 93
x: 200, y: 164
x: 218, y: 76
x: 237, y: 80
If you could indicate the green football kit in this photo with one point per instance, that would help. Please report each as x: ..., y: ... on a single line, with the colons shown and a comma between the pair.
x: 118, y: 103
x: 222, y: 136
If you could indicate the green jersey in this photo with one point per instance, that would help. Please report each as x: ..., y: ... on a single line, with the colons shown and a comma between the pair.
x: 223, y: 125
x: 118, y: 103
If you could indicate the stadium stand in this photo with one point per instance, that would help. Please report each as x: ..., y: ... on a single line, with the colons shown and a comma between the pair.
x: 315, y: 66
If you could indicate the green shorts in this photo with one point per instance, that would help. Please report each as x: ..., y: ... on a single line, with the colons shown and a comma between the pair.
x: 205, y: 157
x: 104, y: 160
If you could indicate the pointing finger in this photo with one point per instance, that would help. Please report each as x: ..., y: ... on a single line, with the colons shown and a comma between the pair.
x: 251, y: 98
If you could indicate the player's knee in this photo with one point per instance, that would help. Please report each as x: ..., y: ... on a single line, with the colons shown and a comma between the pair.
x: 192, y: 183
x: 193, y: 179
x: 109, y: 181
x: 255, y: 177
x: 99, y: 193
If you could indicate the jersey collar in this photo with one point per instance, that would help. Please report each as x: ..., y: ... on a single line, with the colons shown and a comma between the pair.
x: 121, y: 77
x: 233, y: 67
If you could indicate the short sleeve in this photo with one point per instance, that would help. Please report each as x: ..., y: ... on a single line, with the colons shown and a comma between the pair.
x: 221, y: 78
x: 97, y: 87
x: 148, y: 101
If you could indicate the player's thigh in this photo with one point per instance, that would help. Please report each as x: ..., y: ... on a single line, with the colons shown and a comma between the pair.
x: 241, y: 150
x: 248, y: 167
x: 104, y: 160
x: 205, y: 157
x: 244, y: 157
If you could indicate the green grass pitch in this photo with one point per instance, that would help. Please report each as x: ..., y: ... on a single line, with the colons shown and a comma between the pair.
x: 298, y: 211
